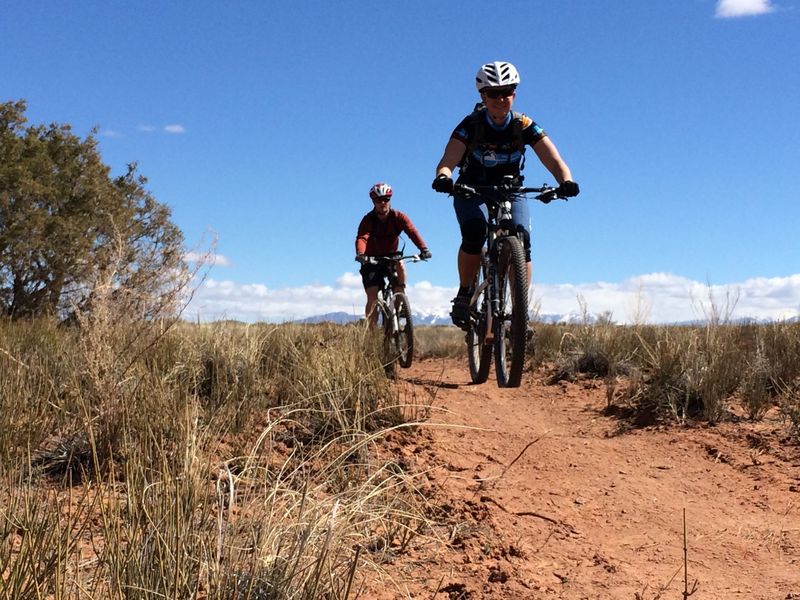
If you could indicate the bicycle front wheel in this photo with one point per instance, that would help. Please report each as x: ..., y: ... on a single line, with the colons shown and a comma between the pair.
x: 385, y: 323
x: 479, y: 352
x: 511, y: 322
x: 403, y: 336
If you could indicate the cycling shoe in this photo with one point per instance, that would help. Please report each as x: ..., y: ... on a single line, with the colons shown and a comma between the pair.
x: 460, y: 312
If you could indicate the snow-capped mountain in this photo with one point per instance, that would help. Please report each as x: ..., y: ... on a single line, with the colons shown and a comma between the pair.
x: 572, y: 318
x: 343, y: 317
x: 443, y: 318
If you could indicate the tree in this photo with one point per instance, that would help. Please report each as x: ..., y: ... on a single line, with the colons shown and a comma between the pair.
x: 66, y: 223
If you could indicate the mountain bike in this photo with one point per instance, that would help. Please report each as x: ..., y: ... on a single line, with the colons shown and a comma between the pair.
x: 498, y: 309
x: 394, y: 312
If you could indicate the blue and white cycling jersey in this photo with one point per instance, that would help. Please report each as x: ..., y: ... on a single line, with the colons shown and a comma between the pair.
x: 489, y: 159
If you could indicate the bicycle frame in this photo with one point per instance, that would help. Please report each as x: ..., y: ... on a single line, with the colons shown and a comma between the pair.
x: 386, y: 304
x: 398, y: 330
x: 490, y: 283
x: 387, y: 294
x: 499, y: 222
x: 498, y: 314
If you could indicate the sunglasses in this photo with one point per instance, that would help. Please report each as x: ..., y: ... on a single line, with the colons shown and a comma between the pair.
x: 495, y: 93
x: 382, y: 199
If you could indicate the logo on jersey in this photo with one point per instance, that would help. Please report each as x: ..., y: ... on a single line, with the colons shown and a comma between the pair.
x: 489, y: 158
x: 492, y: 155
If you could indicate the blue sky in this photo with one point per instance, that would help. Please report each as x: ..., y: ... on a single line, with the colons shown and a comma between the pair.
x: 268, y: 122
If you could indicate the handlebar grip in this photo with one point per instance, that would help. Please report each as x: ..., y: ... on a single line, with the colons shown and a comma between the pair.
x: 464, y: 188
x: 547, y: 196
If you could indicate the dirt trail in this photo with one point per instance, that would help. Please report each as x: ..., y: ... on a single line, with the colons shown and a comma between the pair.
x: 544, y: 495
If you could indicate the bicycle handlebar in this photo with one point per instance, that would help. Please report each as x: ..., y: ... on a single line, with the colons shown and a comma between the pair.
x: 545, y: 193
x: 377, y: 260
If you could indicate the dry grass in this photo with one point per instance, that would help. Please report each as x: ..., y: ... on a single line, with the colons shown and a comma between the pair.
x: 707, y: 371
x: 438, y: 341
x: 681, y: 372
x: 164, y: 459
x: 225, y: 461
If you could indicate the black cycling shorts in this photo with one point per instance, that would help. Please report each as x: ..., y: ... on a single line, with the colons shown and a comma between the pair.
x: 373, y: 275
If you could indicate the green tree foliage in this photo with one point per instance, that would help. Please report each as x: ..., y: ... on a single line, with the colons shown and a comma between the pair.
x: 66, y: 225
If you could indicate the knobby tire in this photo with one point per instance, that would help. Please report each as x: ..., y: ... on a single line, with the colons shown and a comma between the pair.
x: 385, y: 323
x: 404, y: 336
x: 479, y: 353
x: 511, y: 324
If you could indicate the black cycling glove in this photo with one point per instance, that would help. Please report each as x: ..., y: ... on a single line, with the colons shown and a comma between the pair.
x: 568, y: 189
x: 443, y: 184
x: 425, y: 254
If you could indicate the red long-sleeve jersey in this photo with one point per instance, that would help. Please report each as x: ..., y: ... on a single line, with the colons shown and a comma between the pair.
x: 379, y: 238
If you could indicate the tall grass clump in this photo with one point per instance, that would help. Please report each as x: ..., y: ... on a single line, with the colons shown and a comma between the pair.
x: 594, y: 346
x: 145, y: 457
x: 600, y: 349
x: 790, y: 408
x: 260, y: 530
x: 36, y: 372
x: 773, y: 368
x: 704, y: 371
x: 40, y: 532
x: 334, y: 374
x: 438, y: 341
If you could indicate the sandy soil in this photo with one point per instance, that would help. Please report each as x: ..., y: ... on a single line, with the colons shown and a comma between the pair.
x: 544, y: 493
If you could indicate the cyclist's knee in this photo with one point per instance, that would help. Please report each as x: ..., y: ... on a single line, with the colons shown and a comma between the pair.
x: 473, y: 236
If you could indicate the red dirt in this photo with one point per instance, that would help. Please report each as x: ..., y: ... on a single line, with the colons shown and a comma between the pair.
x: 543, y: 494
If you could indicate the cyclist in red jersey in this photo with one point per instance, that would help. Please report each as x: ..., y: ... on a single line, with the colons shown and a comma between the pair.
x: 379, y: 235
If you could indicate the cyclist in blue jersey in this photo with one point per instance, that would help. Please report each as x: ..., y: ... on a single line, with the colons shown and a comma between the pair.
x: 487, y: 146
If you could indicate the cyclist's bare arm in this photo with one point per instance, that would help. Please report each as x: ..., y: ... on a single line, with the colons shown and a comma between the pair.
x: 453, y: 153
x: 548, y: 153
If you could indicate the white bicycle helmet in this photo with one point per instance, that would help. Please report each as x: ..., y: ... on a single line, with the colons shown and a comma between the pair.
x: 380, y: 190
x: 496, y: 74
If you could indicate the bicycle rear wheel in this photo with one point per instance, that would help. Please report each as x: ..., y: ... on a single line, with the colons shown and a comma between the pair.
x: 511, y: 323
x: 479, y: 353
x: 403, y: 336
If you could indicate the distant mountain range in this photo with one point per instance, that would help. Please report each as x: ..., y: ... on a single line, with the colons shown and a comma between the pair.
x: 343, y: 317
x: 440, y: 319
x: 572, y: 318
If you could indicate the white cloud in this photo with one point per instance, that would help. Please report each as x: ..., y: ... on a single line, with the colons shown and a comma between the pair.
x: 110, y: 133
x: 217, y: 260
x: 650, y: 298
x: 349, y: 280
x: 255, y: 302
x: 743, y: 8
x: 175, y: 128
x: 146, y: 128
